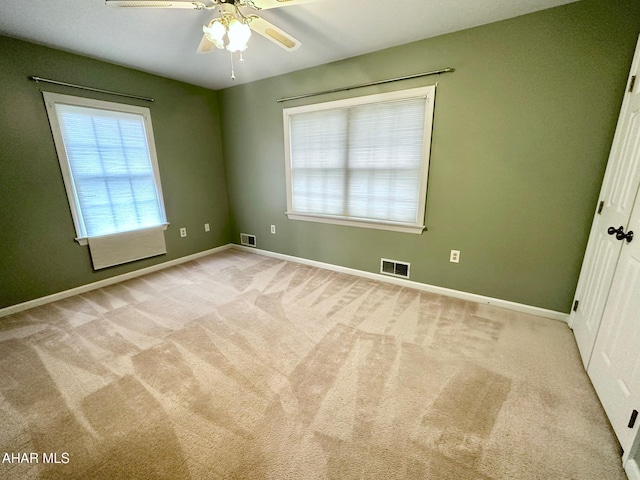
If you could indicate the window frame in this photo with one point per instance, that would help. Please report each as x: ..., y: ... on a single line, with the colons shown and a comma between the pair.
x: 51, y: 99
x: 417, y: 227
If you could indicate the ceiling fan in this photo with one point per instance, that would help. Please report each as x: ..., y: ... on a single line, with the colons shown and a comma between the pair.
x: 232, y: 29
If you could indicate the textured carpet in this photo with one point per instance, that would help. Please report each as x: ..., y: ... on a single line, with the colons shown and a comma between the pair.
x: 240, y: 366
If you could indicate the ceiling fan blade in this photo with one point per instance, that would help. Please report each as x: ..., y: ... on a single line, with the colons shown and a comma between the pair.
x: 264, y: 4
x: 278, y: 36
x: 157, y: 4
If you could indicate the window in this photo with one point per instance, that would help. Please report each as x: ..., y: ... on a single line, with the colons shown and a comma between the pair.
x: 361, y: 162
x: 108, y: 161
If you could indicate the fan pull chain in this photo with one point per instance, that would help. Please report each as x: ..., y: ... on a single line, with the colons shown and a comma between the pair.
x: 233, y: 74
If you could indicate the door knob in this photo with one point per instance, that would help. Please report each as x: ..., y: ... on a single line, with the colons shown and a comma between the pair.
x: 619, y: 233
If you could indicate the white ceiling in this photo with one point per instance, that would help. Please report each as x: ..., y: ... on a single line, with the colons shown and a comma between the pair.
x: 164, y: 42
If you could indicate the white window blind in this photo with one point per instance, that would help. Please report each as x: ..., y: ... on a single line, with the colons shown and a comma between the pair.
x: 107, y: 157
x: 361, y: 162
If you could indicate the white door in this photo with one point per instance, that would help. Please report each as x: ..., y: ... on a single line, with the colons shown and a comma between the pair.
x: 615, y: 363
x: 619, y: 189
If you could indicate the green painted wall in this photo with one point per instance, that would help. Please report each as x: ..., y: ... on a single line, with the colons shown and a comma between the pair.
x: 38, y: 254
x: 520, y: 142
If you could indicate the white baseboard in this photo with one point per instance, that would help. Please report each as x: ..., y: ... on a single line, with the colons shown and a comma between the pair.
x: 106, y: 282
x: 472, y: 297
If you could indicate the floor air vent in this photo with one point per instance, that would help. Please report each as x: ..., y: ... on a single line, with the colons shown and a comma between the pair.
x: 248, y: 240
x: 395, y: 268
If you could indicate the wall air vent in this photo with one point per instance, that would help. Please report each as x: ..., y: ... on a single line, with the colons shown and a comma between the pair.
x: 395, y: 268
x: 248, y: 240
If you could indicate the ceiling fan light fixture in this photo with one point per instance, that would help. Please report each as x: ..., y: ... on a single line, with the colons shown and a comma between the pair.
x: 228, y: 32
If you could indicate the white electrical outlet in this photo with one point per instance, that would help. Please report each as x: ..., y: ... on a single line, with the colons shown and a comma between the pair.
x: 273, y: 229
x: 183, y: 232
x: 454, y: 257
x: 206, y: 227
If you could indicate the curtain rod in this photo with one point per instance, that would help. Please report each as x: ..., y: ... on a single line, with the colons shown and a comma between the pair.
x: 91, y: 89
x: 369, y: 84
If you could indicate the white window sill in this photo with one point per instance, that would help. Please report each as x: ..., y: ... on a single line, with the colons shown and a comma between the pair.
x: 362, y: 223
x: 85, y: 240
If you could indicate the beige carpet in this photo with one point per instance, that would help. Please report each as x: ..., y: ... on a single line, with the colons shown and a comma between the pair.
x: 239, y: 366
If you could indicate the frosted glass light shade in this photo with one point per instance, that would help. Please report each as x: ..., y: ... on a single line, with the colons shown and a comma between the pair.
x: 238, y: 34
x: 215, y: 33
